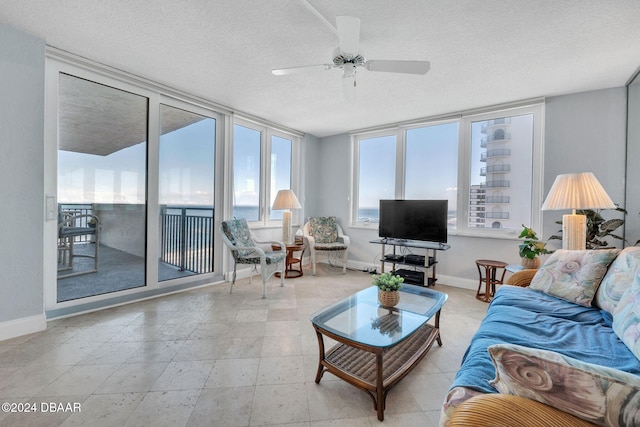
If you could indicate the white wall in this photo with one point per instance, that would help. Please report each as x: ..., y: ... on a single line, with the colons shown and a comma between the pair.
x: 586, y: 132
x: 632, y: 225
x: 21, y: 174
x: 583, y: 132
x: 311, y: 176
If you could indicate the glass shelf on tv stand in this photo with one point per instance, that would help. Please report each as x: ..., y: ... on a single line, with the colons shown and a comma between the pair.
x: 429, y: 261
x: 412, y: 244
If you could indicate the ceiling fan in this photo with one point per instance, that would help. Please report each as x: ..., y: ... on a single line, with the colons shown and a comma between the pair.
x: 348, y: 58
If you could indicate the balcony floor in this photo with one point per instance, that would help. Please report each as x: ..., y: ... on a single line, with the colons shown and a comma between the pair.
x: 117, y: 271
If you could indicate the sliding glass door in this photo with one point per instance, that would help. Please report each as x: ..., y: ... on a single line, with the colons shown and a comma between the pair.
x: 102, y: 189
x: 185, y: 193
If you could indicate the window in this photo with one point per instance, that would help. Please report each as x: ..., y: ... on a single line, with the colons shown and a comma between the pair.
x: 246, y: 172
x: 428, y: 169
x: 376, y: 175
x: 488, y: 166
x: 262, y: 165
x: 431, y: 170
x: 280, y: 167
x: 501, y: 171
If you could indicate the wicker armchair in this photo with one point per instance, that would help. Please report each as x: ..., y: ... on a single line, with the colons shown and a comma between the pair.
x: 505, y: 410
x: 521, y: 278
x: 245, y: 250
x: 324, y: 236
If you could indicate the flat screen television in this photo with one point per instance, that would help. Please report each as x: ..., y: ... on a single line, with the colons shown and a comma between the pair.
x: 423, y: 220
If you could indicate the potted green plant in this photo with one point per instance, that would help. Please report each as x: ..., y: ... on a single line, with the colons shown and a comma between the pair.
x: 531, y: 248
x: 388, y: 285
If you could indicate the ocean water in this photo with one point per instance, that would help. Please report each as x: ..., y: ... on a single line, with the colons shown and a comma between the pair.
x: 369, y: 214
x: 373, y: 215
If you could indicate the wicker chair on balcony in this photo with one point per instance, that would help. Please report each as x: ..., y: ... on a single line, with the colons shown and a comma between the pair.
x: 245, y: 250
x: 71, y: 227
x: 324, y: 236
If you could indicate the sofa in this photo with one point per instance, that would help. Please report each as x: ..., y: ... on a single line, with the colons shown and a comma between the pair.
x: 562, y: 346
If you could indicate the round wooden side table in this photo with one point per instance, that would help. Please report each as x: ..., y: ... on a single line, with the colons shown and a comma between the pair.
x: 290, y: 272
x: 489, y: 277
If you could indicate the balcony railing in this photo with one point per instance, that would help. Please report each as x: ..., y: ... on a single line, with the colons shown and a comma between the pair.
x: 186, y: 235
x: 500, y: 183
x: 497, y: 199
x: 489, y: 123
x: 498, y: 152
x: 497, y: 215
x: 186, y: 238
x: 495, y: 138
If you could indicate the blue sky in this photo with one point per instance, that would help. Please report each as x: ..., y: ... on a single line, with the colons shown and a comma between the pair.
x: 431, y: 164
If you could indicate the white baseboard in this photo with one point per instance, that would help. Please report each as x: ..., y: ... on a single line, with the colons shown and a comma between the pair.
x: 457, y: 282
x: 23, y: 326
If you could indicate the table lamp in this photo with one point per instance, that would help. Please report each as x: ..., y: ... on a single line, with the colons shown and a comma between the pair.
x: 576, y: 191
x: 286, y: 200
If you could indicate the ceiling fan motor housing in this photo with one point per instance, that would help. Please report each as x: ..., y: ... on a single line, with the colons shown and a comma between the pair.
x: 342, y: 59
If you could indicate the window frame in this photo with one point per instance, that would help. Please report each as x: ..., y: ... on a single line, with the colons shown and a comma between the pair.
x: 464, y: 167
x: 464, y: 121
x: 264, y: 186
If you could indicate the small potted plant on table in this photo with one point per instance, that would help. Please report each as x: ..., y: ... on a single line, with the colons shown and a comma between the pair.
x: 530, y: 248
x: 388, y: 285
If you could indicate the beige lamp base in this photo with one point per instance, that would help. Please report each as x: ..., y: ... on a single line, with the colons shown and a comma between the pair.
x: 287, y: 230
x: 574, y: 232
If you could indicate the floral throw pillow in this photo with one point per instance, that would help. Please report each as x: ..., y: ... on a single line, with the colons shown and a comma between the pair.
x: 618, y: 278
x: 573, y: 275
x: 626, y: 318
x: 598, y: 394
x: 323, y: 229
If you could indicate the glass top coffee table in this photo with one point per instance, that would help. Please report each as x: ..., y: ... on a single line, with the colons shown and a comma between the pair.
x: 378, y: 346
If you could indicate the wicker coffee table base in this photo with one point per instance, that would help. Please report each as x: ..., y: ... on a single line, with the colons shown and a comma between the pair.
x: 376, y: 370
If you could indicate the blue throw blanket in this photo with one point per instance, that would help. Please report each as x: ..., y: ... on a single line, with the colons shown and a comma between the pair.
x: 533, y: 319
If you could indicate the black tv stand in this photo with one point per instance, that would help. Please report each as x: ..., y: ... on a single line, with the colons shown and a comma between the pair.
x: 426, y: 262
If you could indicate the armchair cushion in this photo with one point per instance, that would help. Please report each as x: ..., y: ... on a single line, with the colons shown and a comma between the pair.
x: 237, y: 231
x: 573, y: 275
x: 336, y: 246
x: 323, y: 229
x: 598, y: 394
x: 254, y: 258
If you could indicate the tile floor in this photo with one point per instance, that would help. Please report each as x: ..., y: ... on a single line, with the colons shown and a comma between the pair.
x: 210, y: 358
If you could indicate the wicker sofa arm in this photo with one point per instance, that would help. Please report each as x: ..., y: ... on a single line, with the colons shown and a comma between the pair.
x: 521, y: 278
x: 507, y: 410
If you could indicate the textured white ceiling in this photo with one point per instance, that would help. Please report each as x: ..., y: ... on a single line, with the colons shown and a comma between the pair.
x: 481, y: 52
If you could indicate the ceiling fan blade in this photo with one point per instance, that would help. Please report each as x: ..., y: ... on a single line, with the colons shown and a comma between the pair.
x: 348, y: 34
x: 296, y: 70
x: 390, y: 66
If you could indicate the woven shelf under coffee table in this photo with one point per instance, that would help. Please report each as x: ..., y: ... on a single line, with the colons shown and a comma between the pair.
x: 377, y: 346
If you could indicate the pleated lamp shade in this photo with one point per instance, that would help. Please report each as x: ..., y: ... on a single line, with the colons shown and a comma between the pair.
x: 286, y: 199
x: 576, y: 191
